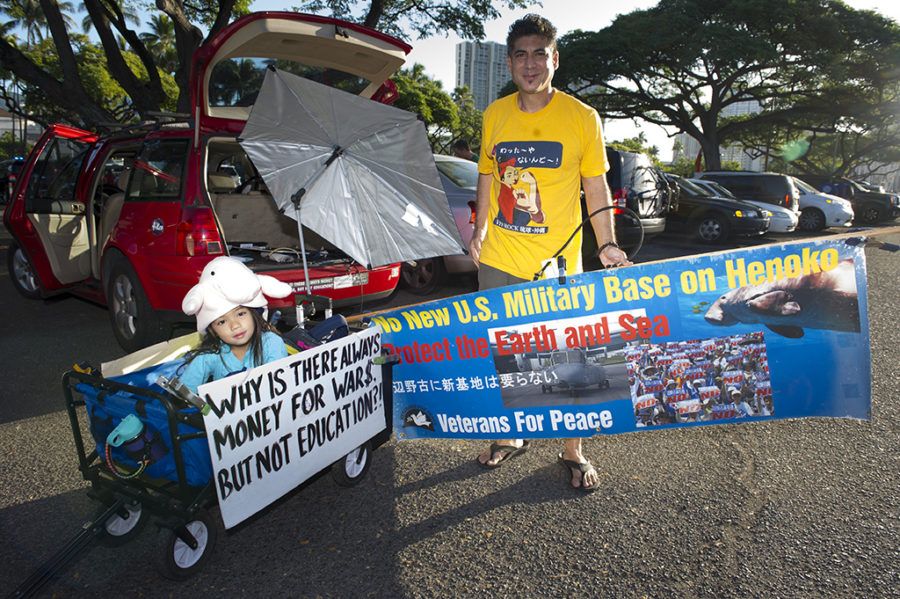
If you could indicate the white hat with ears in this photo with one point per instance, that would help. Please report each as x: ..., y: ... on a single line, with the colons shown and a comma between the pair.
x: 225, y: 284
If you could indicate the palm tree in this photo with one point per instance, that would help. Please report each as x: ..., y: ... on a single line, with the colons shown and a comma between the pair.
x: 160, y: 41
x: 130, y: 14
x: 29, y: 15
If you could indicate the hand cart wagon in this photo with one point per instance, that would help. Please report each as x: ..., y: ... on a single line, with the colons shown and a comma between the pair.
x: 161, y: 472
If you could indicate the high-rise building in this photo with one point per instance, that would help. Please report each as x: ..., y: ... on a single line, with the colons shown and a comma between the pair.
x: 481, y: 66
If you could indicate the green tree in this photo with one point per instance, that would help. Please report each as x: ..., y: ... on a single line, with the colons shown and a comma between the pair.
x: 146, y: 88
x: 96, y: 79
x: 469, y: 127
x: 683, y: 63
x: 426, y: 97
x: 160, y: 41
x: 10, y: 146
x: 466, y: 18
x: 113, y: 24
x: 861, y: 142
x: 29, y: 15
x: 683, y: 167
x: 639, y: 145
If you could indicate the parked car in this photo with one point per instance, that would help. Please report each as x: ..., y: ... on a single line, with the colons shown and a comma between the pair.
x: 819, y: 209
x: 781, y: 220
x: 141, y: 248
x: 459, y: 178
x: 637, y: 184
x: 9, y: 171
x: 712, y: 219
x: 771, y: 188
x: 869, y: 207
x: 871, y: 186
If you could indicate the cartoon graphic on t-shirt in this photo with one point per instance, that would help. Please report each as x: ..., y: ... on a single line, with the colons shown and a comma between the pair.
x: 519, y: 198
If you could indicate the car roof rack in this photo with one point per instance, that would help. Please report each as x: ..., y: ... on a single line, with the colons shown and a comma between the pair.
x: 159, y: 120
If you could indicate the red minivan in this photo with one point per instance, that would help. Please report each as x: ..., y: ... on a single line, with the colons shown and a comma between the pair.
x: 130, y: 219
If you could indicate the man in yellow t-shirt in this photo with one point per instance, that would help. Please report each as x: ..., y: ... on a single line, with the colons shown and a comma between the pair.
x: 539, y: 148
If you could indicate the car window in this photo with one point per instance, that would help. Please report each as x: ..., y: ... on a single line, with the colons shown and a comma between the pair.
x: 463, y: 173
x: 693, y: 189
x: 804, y: 187
x: 158, y: 170
x: 722, y: 192
x: 737, y: 185
x: 55, y: 176
x: 774, y: 184
x: 229, y: 168
x: 236, y: 82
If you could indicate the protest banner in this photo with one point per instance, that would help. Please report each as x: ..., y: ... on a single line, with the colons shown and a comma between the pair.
x: 273, y: 427
x: 756, y: 334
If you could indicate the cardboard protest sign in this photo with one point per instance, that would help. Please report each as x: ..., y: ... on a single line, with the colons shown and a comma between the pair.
x: 755, y: 334
x: 273, y: 427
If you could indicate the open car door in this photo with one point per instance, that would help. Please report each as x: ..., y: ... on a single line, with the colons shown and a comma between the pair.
x: 46, y: 216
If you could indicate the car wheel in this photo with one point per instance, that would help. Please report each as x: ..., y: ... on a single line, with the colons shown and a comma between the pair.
x: 21, y: 272
x: 712, y: 228
x: 176, y: 559
x: 421, y: 277
x: 351, y: 469
x: 811, y: 219
x: 871, y: 214
x: 134, y: 321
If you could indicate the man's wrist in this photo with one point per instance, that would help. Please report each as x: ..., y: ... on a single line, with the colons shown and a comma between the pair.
x: 608, y: 244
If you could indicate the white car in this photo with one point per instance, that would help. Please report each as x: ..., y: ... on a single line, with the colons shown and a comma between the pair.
x: 819, y: 210
x: 782, y: 220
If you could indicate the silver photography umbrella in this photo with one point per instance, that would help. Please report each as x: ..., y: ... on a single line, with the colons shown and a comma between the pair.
x: 357, y: 172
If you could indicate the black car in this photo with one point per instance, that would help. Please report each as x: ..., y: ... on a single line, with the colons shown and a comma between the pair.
x: 713, y: 219
x: 637, y: 184
x: 870, y: 207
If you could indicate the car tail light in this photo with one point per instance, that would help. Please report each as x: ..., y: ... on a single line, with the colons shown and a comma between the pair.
x: 472, y: 216
x: 197, y: 233
x: 787, y: 200
x: 619, y: 199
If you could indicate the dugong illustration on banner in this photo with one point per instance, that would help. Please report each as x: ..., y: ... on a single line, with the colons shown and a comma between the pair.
x: 821, y: 300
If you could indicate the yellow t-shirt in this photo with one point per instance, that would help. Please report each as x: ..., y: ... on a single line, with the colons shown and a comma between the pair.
x: 537, y: 161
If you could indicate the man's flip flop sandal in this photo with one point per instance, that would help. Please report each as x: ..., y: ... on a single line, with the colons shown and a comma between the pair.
x: 507, y: 452
x: 583, y: 467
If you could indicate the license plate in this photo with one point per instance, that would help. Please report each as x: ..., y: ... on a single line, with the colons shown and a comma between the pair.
x: 354, y: 280
x: 341, y: 282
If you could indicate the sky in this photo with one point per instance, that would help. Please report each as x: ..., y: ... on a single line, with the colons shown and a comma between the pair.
x: 438, y: 54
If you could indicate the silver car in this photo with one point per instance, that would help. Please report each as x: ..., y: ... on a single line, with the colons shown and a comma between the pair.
x: 459, y: 178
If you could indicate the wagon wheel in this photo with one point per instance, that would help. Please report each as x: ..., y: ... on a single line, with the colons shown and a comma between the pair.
x: 351, y: 469
x: 124, y: 525
x: 182, y: 552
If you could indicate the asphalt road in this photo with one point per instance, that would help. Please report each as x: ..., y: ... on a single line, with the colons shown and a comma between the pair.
x: 804, y: 508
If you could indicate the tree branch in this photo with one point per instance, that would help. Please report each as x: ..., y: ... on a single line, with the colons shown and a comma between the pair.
x: 73, y: 99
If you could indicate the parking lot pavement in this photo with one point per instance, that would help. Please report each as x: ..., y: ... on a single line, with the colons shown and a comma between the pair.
x: 803, y: 508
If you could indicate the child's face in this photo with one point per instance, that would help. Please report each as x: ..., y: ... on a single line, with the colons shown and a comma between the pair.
x: 236, y: 327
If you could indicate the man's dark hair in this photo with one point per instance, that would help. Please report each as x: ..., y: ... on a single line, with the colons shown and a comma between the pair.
x: 530, y: 24
x: 461, y: 144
